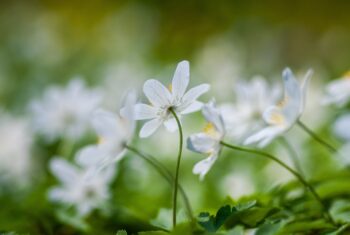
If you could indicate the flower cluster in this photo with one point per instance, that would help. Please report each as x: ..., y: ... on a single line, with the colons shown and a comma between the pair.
x: 256, y: 117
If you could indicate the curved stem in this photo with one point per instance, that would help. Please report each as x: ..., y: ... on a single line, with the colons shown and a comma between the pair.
x: 296, y: 174
x: 292, y: 154
x: 176, y: 181
x: 317, y: 138
x: 162, y: 170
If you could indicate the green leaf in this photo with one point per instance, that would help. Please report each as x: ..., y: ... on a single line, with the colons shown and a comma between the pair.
x: 306, y: 226
x: 243, y: 213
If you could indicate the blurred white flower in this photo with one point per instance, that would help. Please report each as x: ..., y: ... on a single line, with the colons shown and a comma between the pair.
x: 77, y: 189
x: 341, y: 127
x: 338, y: 91
x: 162, y: 99
x: 15, y: 148
x: 208, y: 142
x: 238, y: 185
x: 65, y: 112
x: 243, y: 117
x: 114, y: 131
x: 282, y: 117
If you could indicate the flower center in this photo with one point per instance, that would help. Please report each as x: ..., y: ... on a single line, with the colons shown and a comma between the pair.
x: 210, y: 129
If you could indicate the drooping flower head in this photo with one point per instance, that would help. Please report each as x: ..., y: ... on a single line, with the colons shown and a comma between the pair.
x: 114, y: 132
x: 338, y: 91
x: 65, y: 112
x: 162, y: 99
x: 208, y: 141
x: 281, y: 117
x: 77, y: 189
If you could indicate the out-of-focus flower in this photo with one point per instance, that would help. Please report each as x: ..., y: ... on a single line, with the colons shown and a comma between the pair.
x: 237, y: 185
x: 243, y: 117
x: 77, y: 189
x: 114, y: 131
x: 162, y: 99
x: 65, y: 112
x: 282, y: 117
x: 338, y: 91
x: 15, y: 148
x: 341, y: 127
x: 208, y: 142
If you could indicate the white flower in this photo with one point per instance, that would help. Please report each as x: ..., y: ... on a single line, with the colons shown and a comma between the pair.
x: 243, y: 117
x: 162, y: 99
x: 208, y: 142
x: 338, y: 91
x: 114, y: 131
x: 65, y: 112
x: 15, y: 158
x: 282, y: 117
x: 77, y: 189
x: 341, y: 127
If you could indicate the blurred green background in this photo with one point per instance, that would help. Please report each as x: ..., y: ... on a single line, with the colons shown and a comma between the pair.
x: 120, y: 44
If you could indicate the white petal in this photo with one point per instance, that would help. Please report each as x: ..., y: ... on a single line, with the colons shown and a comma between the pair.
x: 63, y: 170
x: 157, y: 93
x: 274, y: 116
x: 265, y: 136
x: 171, y: 125
x: 304, y: 87
x: 193, y: 107
x: 204, y: 166
x: 58, y: 194
x: 89, y: 156
x: 127, y: 110
x: 149, y: 128
x: 201, y: 143
x: 105, y: 123
x: 181, y: 79
x: 195, y: 92
x: 342, y: 127
x: 212, y: 114
x: 144, y: 111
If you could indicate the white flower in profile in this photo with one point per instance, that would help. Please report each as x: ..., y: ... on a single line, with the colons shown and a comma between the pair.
x: 163, y: 99
x: 114, y: 132
x: 77, y: 189
x: 341, y: 127
x: 338, y: 91
x: 243, y: 117
x: 15, y: 150
x: 280, y: 118
x: 65, y: 112
x: 208, y: 141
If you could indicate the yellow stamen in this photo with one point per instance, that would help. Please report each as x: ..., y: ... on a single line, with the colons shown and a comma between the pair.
x: 277, y: 118
x: 346, y: 75
x: 282, y: 103
x: 209, y: 129
x: 170, y: 87
x: 100, y: 140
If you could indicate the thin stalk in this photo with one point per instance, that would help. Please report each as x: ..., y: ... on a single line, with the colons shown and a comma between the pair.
x: 162, y: 170
x: 317, y: 138
x: 293, y: 155
x: 176, y: 181
x: 296, y: 174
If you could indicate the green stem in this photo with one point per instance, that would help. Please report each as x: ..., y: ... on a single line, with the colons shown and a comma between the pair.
x: 317, y: 138
x: 292, y: 154
x: 296, y: 174
x: 176, y: 181
x: 162, y: 170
